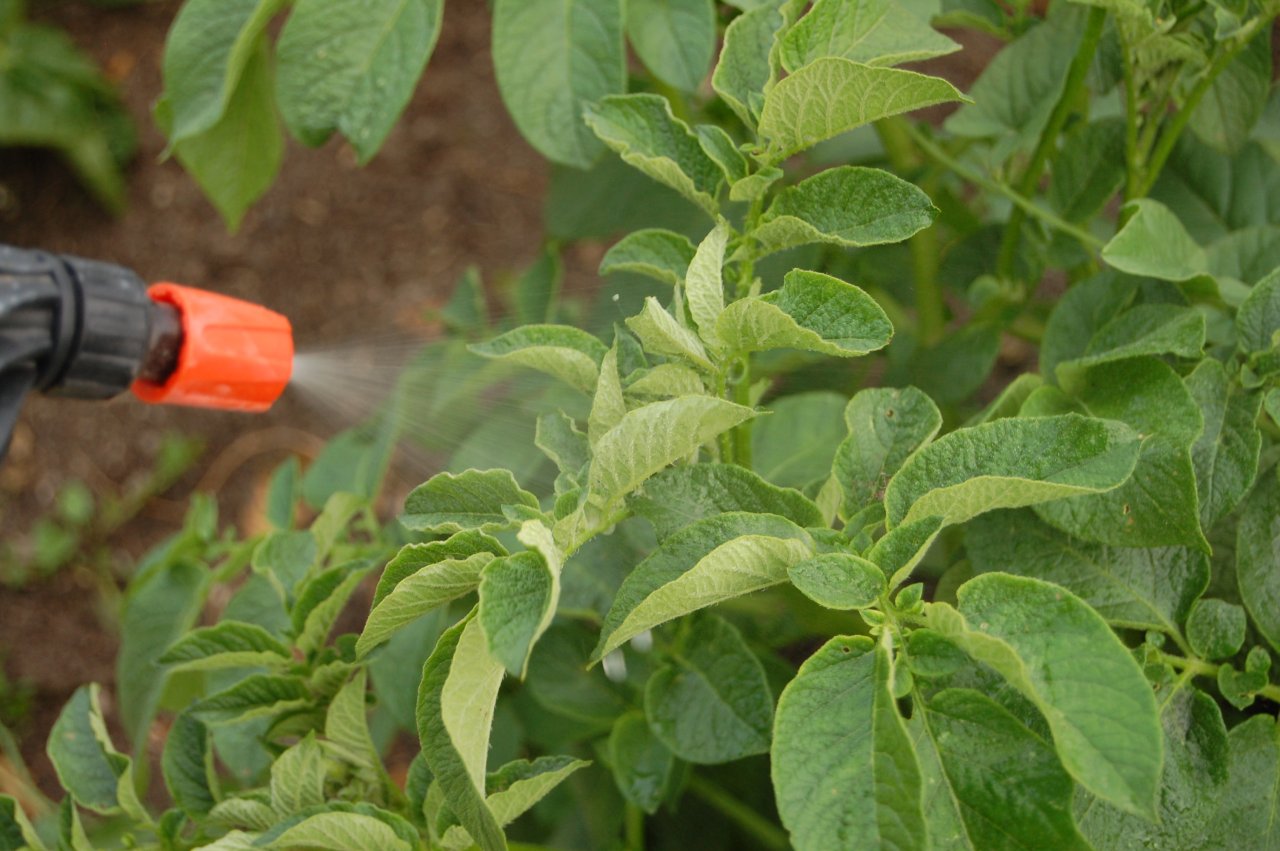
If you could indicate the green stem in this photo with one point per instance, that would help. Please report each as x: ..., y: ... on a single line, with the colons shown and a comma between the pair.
x: 1200, y: 668
x: 742, y: 433
x: 895, y: 136
x: 1050, y: 218
x: 1133, y: 165
x: 765, y: 832
x: 634, y: 827
x: 1030, y: 180
x: 726, y: 438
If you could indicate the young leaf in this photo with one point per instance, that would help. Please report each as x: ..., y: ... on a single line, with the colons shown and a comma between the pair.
x: 432, y: 585
x: 552, y: 58
x: 642, y: 765
x: 1246, y: 813
x: 1215, y: 628
x: 1148, y: 329
x: 653, y: 436
x: 87, y: 764
x: 641, y: 128
x: 570, y: 354
x: 455, y: 710
x: 877, y: 32
x: 338, y: 831
x: 321, y: 600
x: 227, y: 645
x: 885, y: 426
x: 1154, y: 243
x: 659, y: 254
x: 513, y: 789
x: 850, y: 206
x: 838, y: 580
x: 518, y: 598
x: 832, y: 96
x: 903, y: 546
x: 469, y: 500
x: 744, y: 72
x: 1257, y: 541
x: 667, y: 381
x: 252, y: 697
x: 661, y: 334
x: 1010, y: 463
x: 351, y: 66
x: 297, y: 777
x: 677, y: 497
x: 1000, y: 786
x: 674, y: 38
x: 1063, y: 657
x: 710, y: 703
x: 712, y: 560
x: 609, y: 405
x: 1226, y: 454
x: 208, y: 48
x: 558, y: 437
x: 1131, y: 587
x: 1258, y: 319
x: 844, y: 770
x: 704, y: 286
x: 719, y: 145
x: 16, y: 832
x: 412, y: 558
x: 812, y: 312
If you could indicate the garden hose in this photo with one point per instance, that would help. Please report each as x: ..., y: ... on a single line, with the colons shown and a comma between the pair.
x: 83, y: 329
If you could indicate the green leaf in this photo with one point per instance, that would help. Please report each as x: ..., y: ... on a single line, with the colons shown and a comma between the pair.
x: 552, y: 58
x: 469, y: 500
x: 412, y: 558
x: 351, y: 66
x: 228, y: 645
x: 558, y: 437
x: 514, y: 789
x: 721, y: 147
x: 253, y: 697
x: 705, y: 563
x: 667, y: 381
x: 1195, y: 778
x: 844, y: 770
x: 877, y: 32
x: 297, y: 777
x: 1081, y: 312
x: 743, y: 72
x: 642, y: 765
x: 88, y: 766
x: 1148, y: 329
x: 1257, y: 542
x: 653, y: 252
x: 674, y: 38
x: 346, y: 724
x: 677, y: 497
x: 1258, y: 319
x: 1246, y: 815
x: 1226, y: 454
x: 710, y: 703
x: 16, y: 832
x: 643, y: 131
x: 236, y: 159
x: 206, y: 53
x: 838, y: 580
x: 998, y: 784
x: 831, y: 96
x: 788, y: 462
x: 339, y: 831
x: 1133, y: 588
x: 455, y: 710
x: 321, y: 600
x: 903, y: 546
x: 1215, y: 195
x: 518, y: 597
x: 654, y: 436
x: 704, y: 285
x: 569, y: 354
x: 285, y: 558
x: 1064, y: 658
x: 1236, y: 98
x: 885, y: 426
x: 187, y: 765
x: 955, y: 367
x: 812, y: 312
x: 1154, y: 243
x: 850, y: 206
x: 661, y: 334
x: 1215, y: 628
x: 1158, y: 505
x: 1088, y: 170
x: 430, y: 586
x: 535, y: 292
x: 609, y: 405
x: 1010, y: 463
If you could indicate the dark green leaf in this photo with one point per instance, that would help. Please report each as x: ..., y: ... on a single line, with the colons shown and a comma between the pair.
x: 642, y: 765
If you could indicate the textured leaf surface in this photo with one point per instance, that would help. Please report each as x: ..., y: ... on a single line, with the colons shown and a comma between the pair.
x: 743, y: 71
x: 1258, y: 319
x: 432, y: 585
x: 813, y: 312
x: 1148, y: 329
x: 1225, y: 456
x: 674, y: 38
x: 473, y: 499
x: 1154, y: 243
x: 844, y: 770
x: 227, y: 645
x: 413, y: 557
x: 832, y: 96
x: 1258, y: 556
x: 570, y: 354
x: 849, y: 206
x: 1011, y: 463
x: 661, y: 334
x: 518, y: 597
x: 642, y: 765
x: 88, y: 767
x: 1062, y: 656
x: 552, y: 58
x: 340, y: 832
x: 704, y: 285
x: 187, y: 766
x: 656, y: 253
x: 710, y: 561
x: 838, y: 580
x: 885, y: 426
x: 683, y: 495
x: 877, y: 32
x: 1247, y: 812
x: 710, y: 703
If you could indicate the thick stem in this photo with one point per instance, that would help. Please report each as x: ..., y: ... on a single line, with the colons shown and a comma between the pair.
x: 742, y: 434
x: 768, y: 834
x: 634, y: 828
x: 1076, y: 75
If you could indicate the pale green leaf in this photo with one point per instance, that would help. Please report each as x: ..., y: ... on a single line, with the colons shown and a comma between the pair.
x: 831, y: 96
x: 473, y: 499
x: 661, y: 334
x: 467, y: 700
x: 885, y: 426
x: 1010, y: 463
x: 667, y: 380
x: 877, y: 32
x: 432, y: 585
x: 346, y: 723
x: 568, y: 353
x: 903, y: 547
x: 16, y: 831
x: 674, y: 38
x: 659, y: 254
x: 704, y: 285
x: 518, y: 598
x: 844, y: 770
x: 552, y: 58
x: 87, y: 764
x: 227, y: 645
x: 413, y: 557
x: 743, y: 72
x: 558, y: 437
x: 1153, y: 243
x: 253, y: 697
x: 838, y: 580
x: 297, y: 777
x: 514, y: 789
x: 609, y: 406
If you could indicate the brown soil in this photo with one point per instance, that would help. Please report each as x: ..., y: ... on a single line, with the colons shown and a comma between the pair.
x: 342, y: 251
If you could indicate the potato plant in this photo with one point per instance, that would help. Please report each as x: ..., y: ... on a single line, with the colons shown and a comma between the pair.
x: 794, y: 580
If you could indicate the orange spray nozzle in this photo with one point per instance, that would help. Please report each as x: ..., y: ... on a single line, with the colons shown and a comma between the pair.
x: 234, y: 355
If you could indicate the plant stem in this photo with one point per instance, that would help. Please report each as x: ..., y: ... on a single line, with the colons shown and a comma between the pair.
x: 742, y: 434
x: 765, y: 832
x: 1133, y: 167
x: 930, y: 308
x: 634, y: 827
x: 1200, y: 668
x: 1050, y: 218
x: 1076, y: 75
x: 726, y: 438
